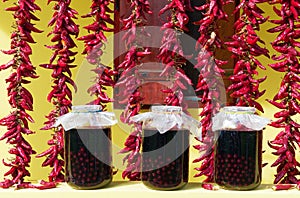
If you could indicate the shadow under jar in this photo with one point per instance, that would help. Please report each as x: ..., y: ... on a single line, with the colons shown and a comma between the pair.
x: 165, y: 159
x: 88, y: 157
x: 238, y: 159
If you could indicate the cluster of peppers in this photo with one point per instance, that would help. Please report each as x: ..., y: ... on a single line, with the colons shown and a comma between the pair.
x: 210, y: 77
x: 245, y: 47
x: 133, y: 33
x: 94, y: 43
x: 20, y: 99
x: 171, y: 53
x: 61, y: 94
x: 288, y: 96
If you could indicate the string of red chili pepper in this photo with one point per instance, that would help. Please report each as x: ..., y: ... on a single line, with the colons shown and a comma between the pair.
x: 133, y: 33
x: 61, y: 95
x: 288, y: 96
x: 171, y: 53
x: 94, y: 42
x: 20, y: 99
x: 208, y: 83
x: 245, y: 48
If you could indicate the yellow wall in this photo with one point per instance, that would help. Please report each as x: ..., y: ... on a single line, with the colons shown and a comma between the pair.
x: 41, y: 87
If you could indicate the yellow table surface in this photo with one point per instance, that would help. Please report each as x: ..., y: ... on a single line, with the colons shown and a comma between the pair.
x: 138, y: 190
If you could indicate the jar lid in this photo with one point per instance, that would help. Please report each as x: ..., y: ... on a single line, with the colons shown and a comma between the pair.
x: 164, y: 118
x: 86, y: 116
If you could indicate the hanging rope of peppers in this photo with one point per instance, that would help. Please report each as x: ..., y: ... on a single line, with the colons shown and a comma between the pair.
x: 94, y: 43
x: 61, y: 94
x: 171, y: 53
x: 288, y: 96
x: 245, y: 46
x: 132, y: 59
x: 20, y: 99
x: 208, y: 83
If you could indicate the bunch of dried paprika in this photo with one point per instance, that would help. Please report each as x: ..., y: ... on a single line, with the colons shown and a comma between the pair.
x: 287, y: 98
x: 245, y: 46
x: 20, y: 98
x: 130, y: 94
x: 61, y: 94
x: 209, y: 82
x: 94, y: 43
x: 171, y: 53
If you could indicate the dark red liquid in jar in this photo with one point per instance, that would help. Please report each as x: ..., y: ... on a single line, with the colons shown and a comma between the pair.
x: 238, y: 159
x: 165, y: 159
x: 88, y: 158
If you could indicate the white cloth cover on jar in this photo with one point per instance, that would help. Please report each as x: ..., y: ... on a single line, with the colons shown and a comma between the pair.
x: 164, y: 118
x: 239, y: 118
x: 86, y: 116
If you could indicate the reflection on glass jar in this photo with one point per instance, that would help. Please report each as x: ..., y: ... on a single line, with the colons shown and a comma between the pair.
x: 238, y: 159
x: 88, y: 158
x: 165, y: 159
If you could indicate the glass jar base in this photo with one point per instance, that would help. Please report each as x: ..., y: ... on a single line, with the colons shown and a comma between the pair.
x: 239, y: 188
x: 98, y: 186
x: 156, y: 187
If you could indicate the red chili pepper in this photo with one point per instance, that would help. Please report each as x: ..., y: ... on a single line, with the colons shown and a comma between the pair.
x: 8, y: 133
x: 280, y: 114
x: 283, y: 187
x: 295, y: 106
x: 210, y: 186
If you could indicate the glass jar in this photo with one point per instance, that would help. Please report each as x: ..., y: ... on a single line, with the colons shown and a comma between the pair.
x: 165, y: 158
x: 165, y: 146
x: 88, y: 157
x: 88, y: 148
x: 238, y: 148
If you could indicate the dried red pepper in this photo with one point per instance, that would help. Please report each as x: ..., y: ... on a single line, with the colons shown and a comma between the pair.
x: 283, y: 187
x: 208, y: 83
x: 209, y: 186
x: 128, y: 83
x: 94, y: 42
x: 287, y: 98
x: 20, y: 99
x: 64, y: 28
x: 245, y: 46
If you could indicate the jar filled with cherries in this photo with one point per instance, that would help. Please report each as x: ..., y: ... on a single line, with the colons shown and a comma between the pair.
x: 238, y: 148
x: 88, y: 149
x: 165, y: 147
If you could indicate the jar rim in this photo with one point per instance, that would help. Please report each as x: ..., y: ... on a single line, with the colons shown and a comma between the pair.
x: 86, y: 108
x: 239, y: 109
x: 166, y: 109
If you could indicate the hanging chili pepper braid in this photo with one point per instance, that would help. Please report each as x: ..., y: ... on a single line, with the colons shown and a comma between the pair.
x: 132, y: 25
x: 209, y: 83
x: 171, y: 53
x: 93, y: 49
x: 61, y: 95
x: 288, y: 96
x: 246, y: 48
x: 20, y: 99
